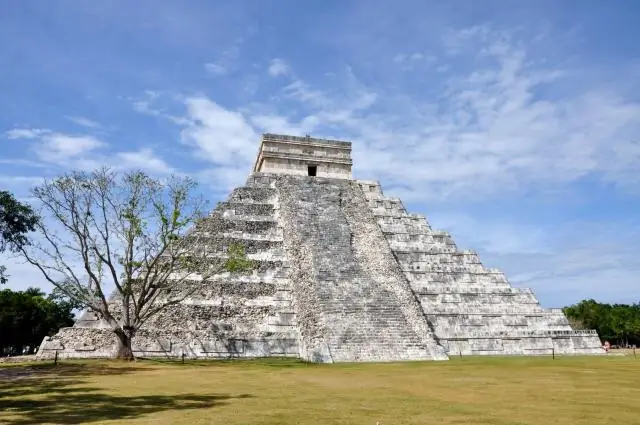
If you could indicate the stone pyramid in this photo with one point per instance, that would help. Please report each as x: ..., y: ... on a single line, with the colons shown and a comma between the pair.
x: 343, y: 274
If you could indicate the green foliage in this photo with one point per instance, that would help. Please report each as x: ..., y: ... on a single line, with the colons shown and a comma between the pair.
x: 16, y: 220
x: 617, y: 323
x: 237, y: 260
x: 26, y: 317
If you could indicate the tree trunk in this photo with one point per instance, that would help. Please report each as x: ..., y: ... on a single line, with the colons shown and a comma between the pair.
x: 125, y: 351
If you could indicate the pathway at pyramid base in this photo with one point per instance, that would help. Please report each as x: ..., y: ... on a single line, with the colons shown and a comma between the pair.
x: 342, y: 274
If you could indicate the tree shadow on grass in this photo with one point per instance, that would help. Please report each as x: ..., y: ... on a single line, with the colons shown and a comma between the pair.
x: 274, y: 362
x: 66, y: 369
x: 50, y: 397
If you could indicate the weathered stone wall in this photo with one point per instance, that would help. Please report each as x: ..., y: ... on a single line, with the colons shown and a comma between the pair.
x: 282, y: 154
x: 473, y: 309
x: 298, y: 166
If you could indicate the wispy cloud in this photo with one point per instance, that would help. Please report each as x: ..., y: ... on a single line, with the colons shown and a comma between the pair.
x: 278, y: 67
x: 144, y: 159
x: 61, y: 147
x: 83, y: 151
x: 216, y: 68
x: 57, y: 147
x: 25, y: 133
x: 223, y: 137
x: 84, y: 122
x: 227, y: 61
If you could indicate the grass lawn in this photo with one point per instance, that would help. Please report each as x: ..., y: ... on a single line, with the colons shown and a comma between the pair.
x: 567, y: 390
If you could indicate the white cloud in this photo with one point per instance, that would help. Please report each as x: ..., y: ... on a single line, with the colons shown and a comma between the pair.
x: 224, y: 137
x: 86, y: 151
x: 55, y: 147
x: 278, y: 67
x: 25, y: 133
x: 84, y: 122
x: 216, y: 68
x: 144, y: 159
x: 59, y: 148
x: 282, y: 125
x: 408, y: 61
x: 399, y: 58
x: 227, y: 60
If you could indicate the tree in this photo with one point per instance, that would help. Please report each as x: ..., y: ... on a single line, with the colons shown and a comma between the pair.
x: 617, y: 323
x: 26, y: 317
x: 129, y: 232
x: 16, y: 220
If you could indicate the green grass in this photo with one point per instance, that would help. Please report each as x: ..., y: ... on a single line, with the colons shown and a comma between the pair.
x: 567, y: 390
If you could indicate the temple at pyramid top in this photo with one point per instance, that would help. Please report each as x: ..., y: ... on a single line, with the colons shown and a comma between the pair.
x: 304, y: 156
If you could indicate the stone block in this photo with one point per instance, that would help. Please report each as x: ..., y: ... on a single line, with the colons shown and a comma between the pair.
x: 223, y: 346
x: 159, y: 346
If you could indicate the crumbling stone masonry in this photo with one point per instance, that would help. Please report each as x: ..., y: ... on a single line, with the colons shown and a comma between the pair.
x: 342, y: 273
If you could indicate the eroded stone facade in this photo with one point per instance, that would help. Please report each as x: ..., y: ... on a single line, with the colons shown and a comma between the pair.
x: 342, y: 273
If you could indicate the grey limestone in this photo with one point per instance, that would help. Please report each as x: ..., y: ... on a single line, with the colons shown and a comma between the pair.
x: 342, y: 273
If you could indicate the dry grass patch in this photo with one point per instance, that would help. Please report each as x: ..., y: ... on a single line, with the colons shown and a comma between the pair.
x: 568, y: 390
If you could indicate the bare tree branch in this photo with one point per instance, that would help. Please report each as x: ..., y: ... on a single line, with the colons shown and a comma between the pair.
x: 127, y: 234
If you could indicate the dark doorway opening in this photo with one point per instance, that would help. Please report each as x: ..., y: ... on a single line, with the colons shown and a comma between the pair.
x: 312, y: 170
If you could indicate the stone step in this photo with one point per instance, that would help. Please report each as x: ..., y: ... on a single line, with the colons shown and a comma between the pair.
x: 419, y: 279
x: 254, y: 194
x: 448, y: 269
x: 258, y: 179
x: 275, y: 256
x: 245, y: 209
x: 378, y: 354
x: 497, y: 320
x: 263, y: 267
x: 251, y: 246
x: 427, y: 256
x: 273, y: 235
x: 478, y: 298
x: 464, y: 288
x: 216, y: 224
x: 417, y: 246
x: 484, y: 309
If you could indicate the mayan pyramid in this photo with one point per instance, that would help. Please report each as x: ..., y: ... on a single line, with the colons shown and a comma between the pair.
x: 343, y: 273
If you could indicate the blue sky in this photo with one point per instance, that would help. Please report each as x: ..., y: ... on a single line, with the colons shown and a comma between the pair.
x: 512, y: 124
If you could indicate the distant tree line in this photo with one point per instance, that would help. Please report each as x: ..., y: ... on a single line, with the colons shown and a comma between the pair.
x: 617, y: 323
x: 26, y: 317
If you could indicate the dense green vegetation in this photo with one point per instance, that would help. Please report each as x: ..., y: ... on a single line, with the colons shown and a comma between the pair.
x: 26, y: 317
x: 16, y: 220
x: 617, y: 323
